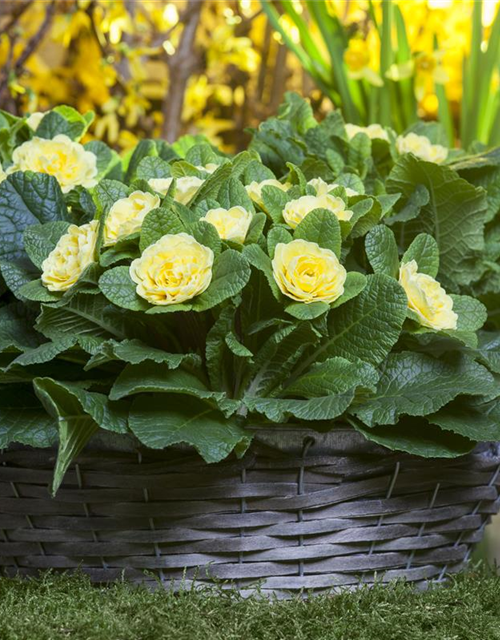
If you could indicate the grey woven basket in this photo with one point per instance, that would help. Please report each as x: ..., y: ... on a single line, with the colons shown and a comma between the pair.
x: 301, y: 510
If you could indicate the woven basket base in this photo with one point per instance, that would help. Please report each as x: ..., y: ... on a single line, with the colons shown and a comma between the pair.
x: 316, y: 516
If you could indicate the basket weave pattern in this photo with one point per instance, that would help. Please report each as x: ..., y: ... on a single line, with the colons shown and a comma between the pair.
x: 291, y: 520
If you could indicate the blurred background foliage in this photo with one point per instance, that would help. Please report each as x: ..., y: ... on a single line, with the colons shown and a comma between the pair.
x: 161, y: 68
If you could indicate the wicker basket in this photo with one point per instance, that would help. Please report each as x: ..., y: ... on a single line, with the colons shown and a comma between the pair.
x: 301, y: 510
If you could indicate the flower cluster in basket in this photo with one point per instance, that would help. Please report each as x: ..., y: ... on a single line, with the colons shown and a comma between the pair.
x: 328, y: 275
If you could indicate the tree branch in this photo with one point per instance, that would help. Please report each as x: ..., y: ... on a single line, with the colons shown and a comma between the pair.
x: 181, y: 65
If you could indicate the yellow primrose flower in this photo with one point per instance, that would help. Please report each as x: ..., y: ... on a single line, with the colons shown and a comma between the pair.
x: 427, y: 298
x: 231, y: 224
x: 421, y: 147
x: 127, y: 215
x: 254, y: 189
x: 34, y: 120
x: 185, y: 188
x: 3, y: 175
x: 60, y: 157
x: 322, y: 188
x: 296, y: 210
x: 73, y: 253
x: 357, y: 58
x: 373, y: 131
x: 174, y: 269
x: 307, y: 273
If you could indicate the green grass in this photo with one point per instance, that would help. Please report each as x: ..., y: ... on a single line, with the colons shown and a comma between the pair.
x: 54, y: 608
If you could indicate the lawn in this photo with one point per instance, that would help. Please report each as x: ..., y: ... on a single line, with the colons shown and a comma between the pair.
x: 54, y: 608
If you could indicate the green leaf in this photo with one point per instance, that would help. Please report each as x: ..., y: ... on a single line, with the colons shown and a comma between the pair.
x: 472, y: 314
x: 320, y: 226
x: 303, y: 311
x: 488, y: 350
x: 354, y: 284
x: 108, y: 161
x: 277, y: 234
x: 259, y: 260
x: 470, y: 418
x: 136, y: 352
x: 27, y: 198
x: 382, y: 251
x: 158, y: 223
x: 82, y: 315
x: 274, y: 200
x: 216, y: 349
x: 207, y: 235
x: 64, y: 120
x: 231, y: 273
x: 416, y: 384
x: 16, y: 327
x: 24, y: 420
x: 79, y: 414
x: 367, y: 327
x: 454, y: 216
x: 210, y: 188
x: 143, y: 149
x: 43, y: 353
x: 37, y: 292
x: 106, y: 193
x: 280, y: 409
x: 425, y: 251
x: 335, y: 375
x: 40, y: 240
x: 419, y: 438
x: 150, y: 377
x: 159, y: 422
x: 417, y: 199
x: 277, y: 357
x: 153, y: 167
x: 17, y: 273
x: 232, y: 193
x: 118, y: 287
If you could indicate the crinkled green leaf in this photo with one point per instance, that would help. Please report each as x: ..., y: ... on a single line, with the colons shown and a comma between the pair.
x: 416, y: 384
x: 425, y: 251
x: 160, y: 421
x: 382, y: 251
x: 40, y: 240
x: 118, y: 287
x: 24, y: 420
x: 454, y: 216
x: 322, y: 227
x: 27, y: 198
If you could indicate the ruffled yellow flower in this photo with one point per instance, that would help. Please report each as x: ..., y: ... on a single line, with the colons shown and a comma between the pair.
x: 174, y: 269
x: 373, y: 131
x: 34, y: 120
x: 68, y: 161
x: 231, y: 224
x: 322, y: 188
x: 307, y: 273
x: 185, y: 188
x: 73, y: 253
x: 127, y: 215
x: 296, y: 210
x: 421, y: 147
x: 427, y: 298
x: 254, y: 190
